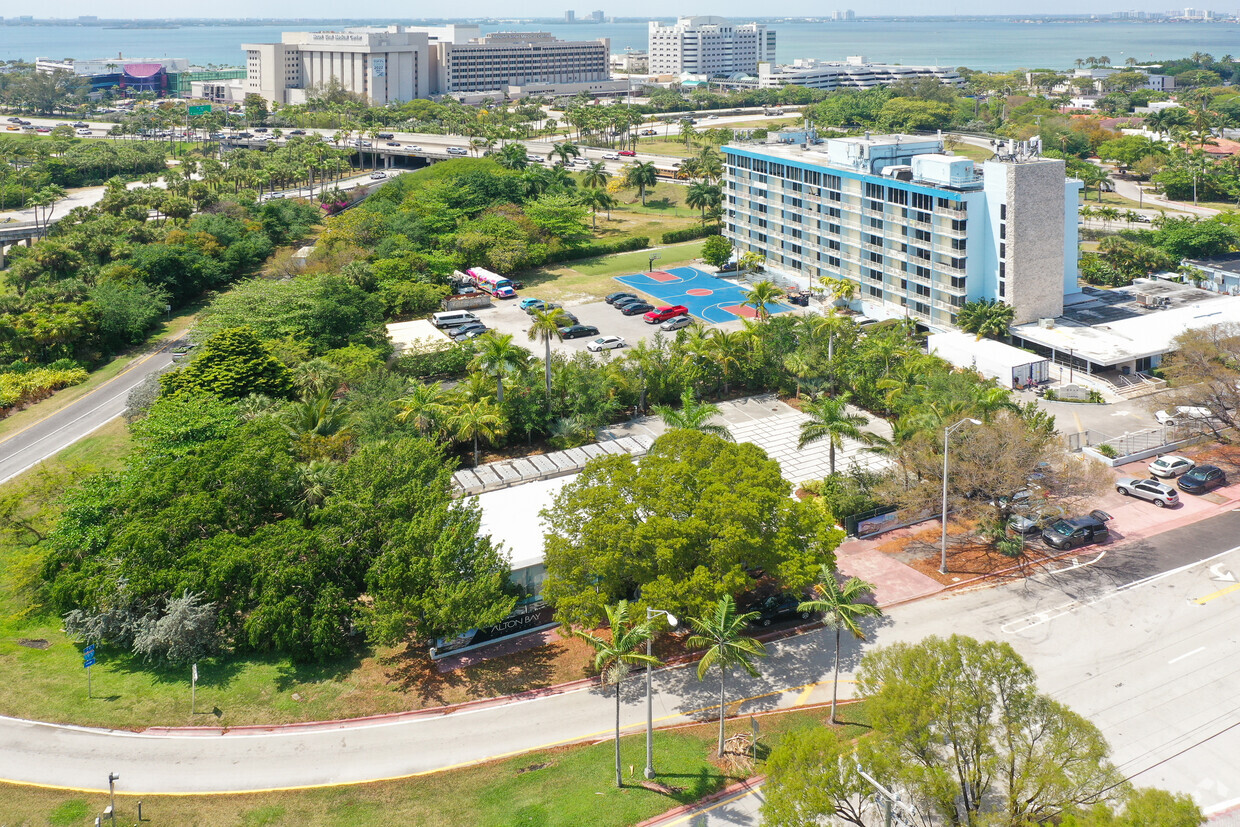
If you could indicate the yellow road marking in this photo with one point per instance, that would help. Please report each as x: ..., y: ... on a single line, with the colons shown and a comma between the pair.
x: 463, y: 764
x: 804, y: 696
x: 1201, y: 601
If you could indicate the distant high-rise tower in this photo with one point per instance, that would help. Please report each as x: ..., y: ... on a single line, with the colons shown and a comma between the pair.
x: 596, y: 17
x: 570, y: 17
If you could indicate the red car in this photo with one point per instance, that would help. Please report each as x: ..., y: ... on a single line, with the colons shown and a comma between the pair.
x: 662, y: 314
x: 628, y: 153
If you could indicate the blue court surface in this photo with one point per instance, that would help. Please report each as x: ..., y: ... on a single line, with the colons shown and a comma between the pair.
x: 708, y: 298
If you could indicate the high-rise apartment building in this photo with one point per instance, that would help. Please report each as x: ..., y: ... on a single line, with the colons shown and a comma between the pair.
x: 521, y: 59
x: 709, y: 46
x: 919, y: 232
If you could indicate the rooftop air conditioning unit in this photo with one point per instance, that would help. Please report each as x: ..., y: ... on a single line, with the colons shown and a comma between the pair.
x: 1046, y: 324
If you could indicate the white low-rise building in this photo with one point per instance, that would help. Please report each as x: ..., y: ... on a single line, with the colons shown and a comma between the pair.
x: 853, y: 73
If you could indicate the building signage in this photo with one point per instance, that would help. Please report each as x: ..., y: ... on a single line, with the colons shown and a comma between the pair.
x: 523, y: 620
x: 337, y: 37
x: 379, y: 64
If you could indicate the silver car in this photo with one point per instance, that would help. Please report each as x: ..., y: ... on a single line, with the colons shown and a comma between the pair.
x: 1159, y: 493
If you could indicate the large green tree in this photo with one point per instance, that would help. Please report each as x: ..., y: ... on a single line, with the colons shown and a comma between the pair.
x: 691, y: 523
x: 964, y: 733
x: 232, y: 363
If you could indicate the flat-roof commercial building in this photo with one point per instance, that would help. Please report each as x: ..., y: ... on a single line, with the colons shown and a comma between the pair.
x: 709, y: 46
x: 521, y: 59
x: 853, y: 73
x: 401, y: 63
x: 919, y: 232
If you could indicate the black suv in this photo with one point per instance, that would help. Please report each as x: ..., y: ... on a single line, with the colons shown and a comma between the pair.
x: 1072, y: 532
x: 777, y: 607
x: 1201, y: 478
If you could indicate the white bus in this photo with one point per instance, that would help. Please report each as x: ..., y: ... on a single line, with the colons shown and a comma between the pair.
x: 493, y: 283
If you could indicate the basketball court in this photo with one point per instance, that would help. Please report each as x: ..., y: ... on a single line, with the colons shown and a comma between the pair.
x: 708, y: 298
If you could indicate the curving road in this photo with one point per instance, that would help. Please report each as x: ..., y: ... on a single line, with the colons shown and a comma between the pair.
x: 1141, y: 639
x: 53, y: 433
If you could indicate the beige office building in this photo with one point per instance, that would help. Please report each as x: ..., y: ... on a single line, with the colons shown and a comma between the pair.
x: 522, y: 59
x: 383, y: 66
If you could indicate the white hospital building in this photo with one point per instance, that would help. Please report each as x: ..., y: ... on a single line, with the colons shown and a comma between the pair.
x: 919, y: 231
x: 402, y: 63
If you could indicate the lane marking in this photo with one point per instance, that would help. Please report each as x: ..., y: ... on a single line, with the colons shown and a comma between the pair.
x: 1186, y: 655
x: 693, y: 814
x: 1029, y: 621
x: 804, y: 696
x: 1201, y: 601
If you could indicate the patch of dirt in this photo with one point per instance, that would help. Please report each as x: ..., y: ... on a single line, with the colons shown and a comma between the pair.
x: 1225, y: 456
x: 968, y: 556
x: 664, y: 789
x: 535, y: 767
x: 35, y: 643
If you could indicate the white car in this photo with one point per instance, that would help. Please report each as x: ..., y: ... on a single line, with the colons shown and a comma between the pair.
x: 1171, y: 466
x: 414, y: 148
x: 85, y: 133
x: 1183, y: 414
x: 610, y: 156
x: 605, y: 343
x: 377, y: 175
x: 676, y: 323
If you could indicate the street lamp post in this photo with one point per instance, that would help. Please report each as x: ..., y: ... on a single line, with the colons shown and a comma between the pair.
x: 651, y: 614
x: 113, y: 777
x: 947, y: 432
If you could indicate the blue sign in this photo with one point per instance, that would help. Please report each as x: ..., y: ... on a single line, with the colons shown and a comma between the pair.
x: 88, y: 656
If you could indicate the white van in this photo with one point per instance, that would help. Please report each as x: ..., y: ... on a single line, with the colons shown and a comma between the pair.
x: 452, y: 318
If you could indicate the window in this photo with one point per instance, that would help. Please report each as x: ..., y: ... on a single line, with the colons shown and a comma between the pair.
x: 1003, y: 212
x: 875, y: 240
x: 876, y: 258
x: 922, y: 272
x: 921, y: 235
x: 955, y: 301
x: 896, y: 196
x: 922, y: 290
x: 958, y: 244
x: 876, y: 292
x: 1002, y: 270
x: 1003, y: 231
x: 874, y: 275
x: 958, y: 263
x: 1002, y: 250
x: 873, y: 190
x: 1002, y: 289
x: 923, y: 202
x: 959, y: 225
x: 876, y: 223
x: 959, y: 282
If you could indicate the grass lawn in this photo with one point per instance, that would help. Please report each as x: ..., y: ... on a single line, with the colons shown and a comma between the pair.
x: 977, y: 153
x: 591, y: 278
x: 1113, y: 200
x: 565, y: 787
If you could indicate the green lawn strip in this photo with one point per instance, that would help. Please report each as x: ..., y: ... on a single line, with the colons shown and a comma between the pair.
x: 563, y: 787
x: 591, y: 278
x: 976, y: 153
x: 1111, y: 199
x: 659, y: 145
x: 172, y: 328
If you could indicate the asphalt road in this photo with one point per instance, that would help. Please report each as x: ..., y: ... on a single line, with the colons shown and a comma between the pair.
x: 48, y: 436
x: 1140, y: 640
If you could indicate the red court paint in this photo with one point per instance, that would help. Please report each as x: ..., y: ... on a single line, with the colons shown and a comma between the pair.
x: 659, y: 275
x: 741, y: 310
x: 699, y: 291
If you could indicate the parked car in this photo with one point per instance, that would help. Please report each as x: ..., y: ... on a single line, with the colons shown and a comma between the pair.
x: 578, y: 331
x: 605, y: 343
x: 1032, y: 525
x: 468, y: 330
x: 777, y: 607
x: 538, y: 304
x: 662, y: 314
x: 526, y: 302
x: 636, y: 308
x: 1073, y: 532
x: 1183, y: 414
x: 568, y: 319
x: 676, y: 323
x: 615, y: 297
x: 627, y: 153
x: 1170, y: 466
x: 1202, y: 478
x: 1159, y: 493
x: 629, y: 299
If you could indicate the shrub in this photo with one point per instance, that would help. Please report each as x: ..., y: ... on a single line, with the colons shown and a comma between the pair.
x: 688, y: 234
x: 31, y: 386
x: 1108, y: 451
x: 429, y: 364
x: 626, y: 245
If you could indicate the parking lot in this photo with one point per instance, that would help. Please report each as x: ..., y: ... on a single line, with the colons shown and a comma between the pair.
x: 506, y: 316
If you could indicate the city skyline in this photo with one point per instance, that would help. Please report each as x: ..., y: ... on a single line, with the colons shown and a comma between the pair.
x: 70, y: 10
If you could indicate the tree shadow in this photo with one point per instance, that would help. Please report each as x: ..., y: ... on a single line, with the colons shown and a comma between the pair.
x: 664, y: 203
x: 217, y: 672
x: 412, y: 670
x: 289, y: 674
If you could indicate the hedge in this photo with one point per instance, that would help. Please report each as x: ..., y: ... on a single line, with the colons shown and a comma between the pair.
x: 626, y: 245
x: 690, y: 234
x: 31, y: 386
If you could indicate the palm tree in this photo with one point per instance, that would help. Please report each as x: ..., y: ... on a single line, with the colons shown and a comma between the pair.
x: 513, y: 157
x: 642, y: 175
x: 612, y: 658
x: 760, y: 295
x: 596, y: 199
x: 829, y: 419
x: 692, y: 416
x: 474, y: 420
x: 546, y: 326
x: 722, y: 633
x: 425, y: 406
x: 710, y: 163
x: 687, y: 132
x: 842, y: 608
x: 497, y: 356
x: 728, y: 350
x: 596, y: 175
x: 987, y: 317
x: 565, y: 151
